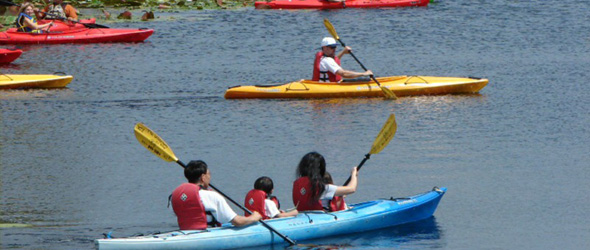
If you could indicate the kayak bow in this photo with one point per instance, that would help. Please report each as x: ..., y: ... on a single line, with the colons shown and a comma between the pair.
x: 34, y: 81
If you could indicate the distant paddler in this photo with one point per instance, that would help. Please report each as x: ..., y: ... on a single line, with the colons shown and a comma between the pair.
x: 27, y: 22
x: 57, y: 9
x: 326, y: 67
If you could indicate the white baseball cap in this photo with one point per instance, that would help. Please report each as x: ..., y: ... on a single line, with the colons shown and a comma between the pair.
x: 328, y: 41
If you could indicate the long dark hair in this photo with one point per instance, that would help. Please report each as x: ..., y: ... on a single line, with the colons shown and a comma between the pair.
x: 313, y: 166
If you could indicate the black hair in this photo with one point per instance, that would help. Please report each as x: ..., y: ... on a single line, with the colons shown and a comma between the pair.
x: 328, y: 178
x: 265, y: 184
x: 313, y: 166
x: 194, y: 170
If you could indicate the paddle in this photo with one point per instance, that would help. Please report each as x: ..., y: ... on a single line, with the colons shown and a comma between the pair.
x: 87, y: 25
x: 150, y: 140
x: 383, y: 138
x: 386, y: 92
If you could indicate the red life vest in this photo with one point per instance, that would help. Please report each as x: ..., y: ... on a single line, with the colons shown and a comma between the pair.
x: 254, y: 201
x: 337, y: 204
x: 302, y: 195
x: 188, y: 207
x: 276, y: 201
x: 317, y: 75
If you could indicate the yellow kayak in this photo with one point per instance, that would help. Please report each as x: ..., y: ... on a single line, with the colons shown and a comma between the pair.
x: 400, y: 85
x: 34, y: 81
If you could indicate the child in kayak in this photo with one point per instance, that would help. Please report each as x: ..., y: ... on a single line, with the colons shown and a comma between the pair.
x: 337, y: 203
x: 310, y: 190
x: 27, y: 22
x: 260, y: 199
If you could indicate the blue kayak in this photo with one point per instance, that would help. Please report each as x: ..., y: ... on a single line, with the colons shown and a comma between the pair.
x: 360, y: 217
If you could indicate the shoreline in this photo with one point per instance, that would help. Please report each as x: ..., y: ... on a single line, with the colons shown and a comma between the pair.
x: 110, y: 14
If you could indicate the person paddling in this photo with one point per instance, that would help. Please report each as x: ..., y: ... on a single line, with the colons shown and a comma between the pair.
x: 260, y: 199
x: 26, y: 21
x: 58, y: 10
x: 192, y: 202
x: 310, y: 190
x: 326, y: 67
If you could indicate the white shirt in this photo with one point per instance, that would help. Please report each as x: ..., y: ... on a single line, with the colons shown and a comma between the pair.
x: 270, y: 208
x: 328, y: 195
x: 328, y: 64
x: 217, y: 205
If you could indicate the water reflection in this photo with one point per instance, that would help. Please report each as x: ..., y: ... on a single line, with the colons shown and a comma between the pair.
x: 29, y: 94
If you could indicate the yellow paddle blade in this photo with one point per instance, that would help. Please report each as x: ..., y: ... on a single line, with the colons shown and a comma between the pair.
x: 386, y: 134
x: 150, y: 140
x: 331, y: 29
x: 388, y: 93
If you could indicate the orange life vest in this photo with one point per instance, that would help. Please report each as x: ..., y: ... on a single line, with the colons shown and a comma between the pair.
x: 188, y: 207
x: 324, y: 76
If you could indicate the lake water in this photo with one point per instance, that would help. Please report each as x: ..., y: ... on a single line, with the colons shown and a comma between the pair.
x: 514, y: 158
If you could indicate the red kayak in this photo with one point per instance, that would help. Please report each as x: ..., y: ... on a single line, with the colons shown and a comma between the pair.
x: 322, y: 4
x: 12, y: 36
x: 7, y: 56
x: 59, y: 25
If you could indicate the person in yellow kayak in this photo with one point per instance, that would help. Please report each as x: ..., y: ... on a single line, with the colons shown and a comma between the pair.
x: 261, y: 200
x: 27, y: 22
x: 326, y: 66
x: 310, y: 190
x: 196, y: 206
x: 57, y: 9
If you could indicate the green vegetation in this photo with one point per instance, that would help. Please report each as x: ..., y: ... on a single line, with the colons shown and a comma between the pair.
x: 7, y: 17
x: 153, y: 4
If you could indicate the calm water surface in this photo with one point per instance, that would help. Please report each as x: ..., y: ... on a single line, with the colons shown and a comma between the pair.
x: 514, y: 158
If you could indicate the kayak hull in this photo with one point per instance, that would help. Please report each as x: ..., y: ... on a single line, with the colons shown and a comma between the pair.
x: 317, y: 4
x: 305, y: 226
x: 84, y: 35
x: 8, y: 56
x: 400, y: 85
x: 34, y: 81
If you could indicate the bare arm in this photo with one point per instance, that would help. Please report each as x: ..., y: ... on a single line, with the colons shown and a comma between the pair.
x: 32, y: 25
x: 240, y: 221
x: 352, y: 74
x: 288, y: 214
x: 345, y: 51
x: 351, y: 187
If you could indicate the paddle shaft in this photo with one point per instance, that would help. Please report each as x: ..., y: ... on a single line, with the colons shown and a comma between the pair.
x: 359, y: 62
x: 367, y: 156
x: 87, y: 25
x: 245, y: 209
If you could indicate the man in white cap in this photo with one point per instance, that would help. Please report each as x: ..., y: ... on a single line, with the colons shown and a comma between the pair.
x: 326, y: 67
